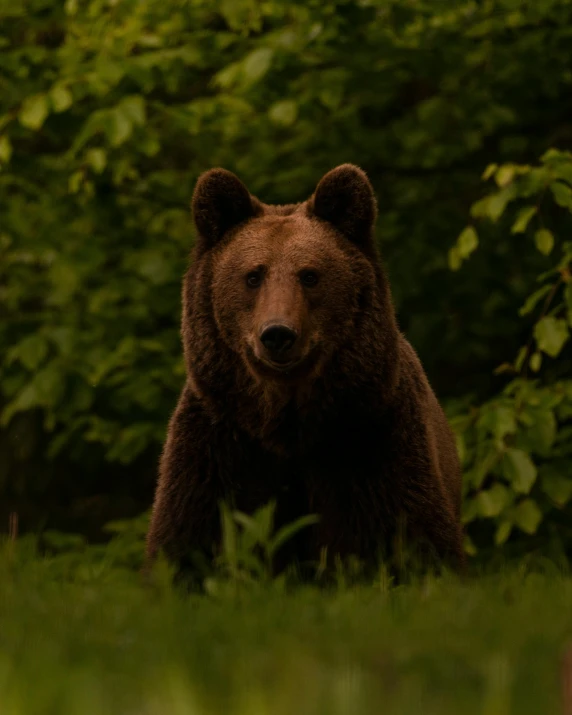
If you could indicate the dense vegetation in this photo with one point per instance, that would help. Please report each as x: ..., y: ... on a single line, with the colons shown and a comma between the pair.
x: 81, y: 636
x: 110, y: 110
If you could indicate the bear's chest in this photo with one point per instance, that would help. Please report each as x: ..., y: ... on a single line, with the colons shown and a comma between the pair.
x: 299, y: 453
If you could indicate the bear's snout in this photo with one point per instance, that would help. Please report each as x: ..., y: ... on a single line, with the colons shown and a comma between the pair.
x: 278, y: 341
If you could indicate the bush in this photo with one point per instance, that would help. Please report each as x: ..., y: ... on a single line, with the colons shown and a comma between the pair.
x: 517, y: 447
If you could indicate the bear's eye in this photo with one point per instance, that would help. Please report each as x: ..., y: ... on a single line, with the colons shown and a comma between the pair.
x: 254, y: 279
x: 309, y: 278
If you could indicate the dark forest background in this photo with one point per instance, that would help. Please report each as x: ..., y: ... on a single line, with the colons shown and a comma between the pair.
x: 460, y: 113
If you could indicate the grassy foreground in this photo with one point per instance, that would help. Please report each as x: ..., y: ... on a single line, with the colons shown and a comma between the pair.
x: 92, y: 640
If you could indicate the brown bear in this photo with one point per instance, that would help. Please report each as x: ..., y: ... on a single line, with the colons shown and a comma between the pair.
x: 300, y: 387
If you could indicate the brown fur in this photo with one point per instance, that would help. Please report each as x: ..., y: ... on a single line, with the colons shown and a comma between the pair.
x: 352, y: 432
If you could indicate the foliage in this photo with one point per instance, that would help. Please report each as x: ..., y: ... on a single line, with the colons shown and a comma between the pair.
x: 246, y: 560
x: 249, y: 545
x: 70, y: 556
x: 98, y: 642
x: 517, y: 447
x: 110, y: 109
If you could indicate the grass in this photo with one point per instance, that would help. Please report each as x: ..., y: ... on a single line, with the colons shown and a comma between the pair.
x: 87, y: 637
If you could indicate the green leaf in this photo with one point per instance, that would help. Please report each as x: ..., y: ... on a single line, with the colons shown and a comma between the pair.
x: 61, y: 97
x: 493, y: 501
x: 541, y: 433
x: 454, y: 259
x: 563, y: 171
x: 97, y: 159
x: 505, y: 175
x: 96, y: 123
x: 489, y: 171
x: 523, y: 219
x: 228, y: 76
x: 260, y: 523
x: 34, y: 111
x: 469, y: 510
x: 483, y: 467
x: 535, y: 362
x: 27, y: 399
x: 257, y: 64
x: 504, y: 421
x: 250, y: 536
x: 46, y: 390
x: 562, y: 194
x: 544, y: 240
x: 469, y: 546
x: 75, y: 181
x: 150, y: 145
x: 533, y: 299
x: 467, y: 242
x: 480, y: 208
x: 5, y: 149
x: 527, y: 516
x: 503, y: 532
x: 551, y: 334
x: 229, y: 538
x: 32, y: 351
x: 50, y: 385
x: 557, y: 487
x: 119, y: 128
x: 534, y: 182
x: 498, y: 419
x: 519, y: 470
x: 519, y: 362
x: 493, y: 206
x: 551, y: 155
x: 133, y: 108
x: 284, y: 113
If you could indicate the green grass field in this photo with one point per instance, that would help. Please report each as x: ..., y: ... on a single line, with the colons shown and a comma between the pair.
x: 93, y: 640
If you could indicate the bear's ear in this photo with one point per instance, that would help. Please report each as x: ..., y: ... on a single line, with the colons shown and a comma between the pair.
x: 220, y: 202
x: 344, y: 197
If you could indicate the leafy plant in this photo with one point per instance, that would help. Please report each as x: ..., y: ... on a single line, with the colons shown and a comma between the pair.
x: 517, y: 448
x: 249, y: 545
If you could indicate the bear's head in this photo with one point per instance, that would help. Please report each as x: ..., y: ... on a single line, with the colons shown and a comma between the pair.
x: 289, y: 284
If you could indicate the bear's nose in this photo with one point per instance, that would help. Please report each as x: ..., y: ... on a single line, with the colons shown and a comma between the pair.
x: 278, y: 339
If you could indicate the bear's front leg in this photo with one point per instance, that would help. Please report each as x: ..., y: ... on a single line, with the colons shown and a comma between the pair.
x: 185, y: 523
